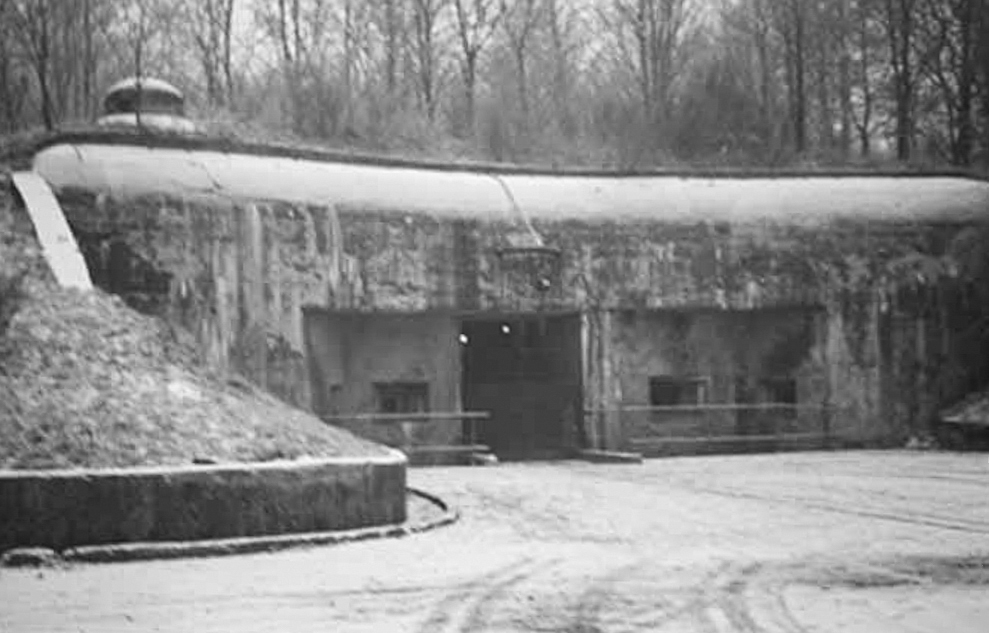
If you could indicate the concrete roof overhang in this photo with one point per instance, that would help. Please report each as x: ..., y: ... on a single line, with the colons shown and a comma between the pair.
x: 194, y: 168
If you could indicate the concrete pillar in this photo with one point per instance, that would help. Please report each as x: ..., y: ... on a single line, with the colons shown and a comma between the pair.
x: 602, y: 389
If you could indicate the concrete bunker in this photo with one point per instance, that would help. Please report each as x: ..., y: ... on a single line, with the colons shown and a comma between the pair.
x: 347, y: 286
x: 708, y: 374
x: 522, y: 371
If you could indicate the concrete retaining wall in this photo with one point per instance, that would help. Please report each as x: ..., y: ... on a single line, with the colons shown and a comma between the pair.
x: 66, y: 508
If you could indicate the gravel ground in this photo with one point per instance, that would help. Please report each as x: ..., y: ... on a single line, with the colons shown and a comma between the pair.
x: 857, y: 541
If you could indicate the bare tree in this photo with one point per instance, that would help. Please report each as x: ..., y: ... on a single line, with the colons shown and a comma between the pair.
x: 762, y: 36
x: 32, y: 22
x: 210, y: 24
x: 476, y: 22
x: 11, y: 97
x: 948, y: 31
x: 562, y: 20
x: 864, y: 45
x: 300, y: 30
x: 844, y: 75
x: 620, y: 81
x: 899, y: 22
x: 393, y: 25
x: 982, y: 54
x: 750, y: 42
x: 658, y: 30
x: 792, y: 25
x: 425, y: 15
x: 521, y: 18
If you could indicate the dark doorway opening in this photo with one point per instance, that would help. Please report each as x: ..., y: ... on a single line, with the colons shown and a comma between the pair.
x: 526, y: 372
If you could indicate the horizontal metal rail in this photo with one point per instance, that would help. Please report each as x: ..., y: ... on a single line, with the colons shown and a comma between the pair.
x: 416, y: 417
x: 718, y: 424
x: 687, y: 408
x: 405, y: 422
x: 791, y: 437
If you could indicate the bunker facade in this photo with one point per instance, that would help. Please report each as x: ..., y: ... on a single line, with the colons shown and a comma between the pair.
x: 579, y: 310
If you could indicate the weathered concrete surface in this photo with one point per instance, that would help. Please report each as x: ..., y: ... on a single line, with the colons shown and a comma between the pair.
x: 892, y: 344
x: 733, y: 354
x: 350, y: 353
x: 201, y: 167
x: 424, y: 512
x: 744, y: 544
x: 61, y: 509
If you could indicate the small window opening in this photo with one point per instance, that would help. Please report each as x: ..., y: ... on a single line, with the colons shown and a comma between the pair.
x: 673, y: 390
x: 779, y: 390
x: 402, y: 397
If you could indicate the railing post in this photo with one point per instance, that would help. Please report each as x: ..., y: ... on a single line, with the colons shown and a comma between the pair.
x: 621, y: 429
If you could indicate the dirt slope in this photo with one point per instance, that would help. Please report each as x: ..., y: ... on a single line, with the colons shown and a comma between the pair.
x: 87, y: 382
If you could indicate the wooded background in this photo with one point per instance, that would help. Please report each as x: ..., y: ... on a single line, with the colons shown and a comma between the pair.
x: 615, y: 83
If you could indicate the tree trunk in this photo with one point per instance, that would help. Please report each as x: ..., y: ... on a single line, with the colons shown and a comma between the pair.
x: 522, y: 83
x: 88, y: 62
x: 228, y: 18
x: 982, y: 52
x: 966, y: 79
x: 425, y: 18
x: 825, y: 122
x: 844, y: 80
x: 560, y: 76
x: 900, y: 28
x: 348, y: 61
x: 470, y: 78
x: 645, y: 68
x: 799, y: 98
x: 865, y: 127
x: 391, y: 51
x: 41, y: 66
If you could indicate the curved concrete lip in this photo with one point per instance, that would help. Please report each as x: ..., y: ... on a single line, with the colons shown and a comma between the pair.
x: 124, y: 552
x: 190, y: 509
x: 393, y: 457
x: 162, y: 550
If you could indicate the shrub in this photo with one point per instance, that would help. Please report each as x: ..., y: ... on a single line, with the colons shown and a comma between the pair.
x: 12, y: 295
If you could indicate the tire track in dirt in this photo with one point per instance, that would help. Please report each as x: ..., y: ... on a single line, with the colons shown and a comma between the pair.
x: 754, y: 603
x: 587, y: 614
x: 466, y: 607
x: 639, y: 598
x: 926, y: 520
x: 479, y: 616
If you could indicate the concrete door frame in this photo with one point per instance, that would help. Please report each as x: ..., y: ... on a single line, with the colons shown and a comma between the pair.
x: 567, y: 373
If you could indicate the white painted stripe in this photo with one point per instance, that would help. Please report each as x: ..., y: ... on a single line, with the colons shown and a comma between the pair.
x: 57, y: 242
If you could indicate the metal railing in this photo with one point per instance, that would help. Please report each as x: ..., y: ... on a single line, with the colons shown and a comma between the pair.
x: 768, y: 425
x: 403, y: 430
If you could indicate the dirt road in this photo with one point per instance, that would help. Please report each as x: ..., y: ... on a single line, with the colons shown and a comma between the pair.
x: 858, y: 541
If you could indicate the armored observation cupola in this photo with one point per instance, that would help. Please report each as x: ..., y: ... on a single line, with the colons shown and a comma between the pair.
x: 145, y: 102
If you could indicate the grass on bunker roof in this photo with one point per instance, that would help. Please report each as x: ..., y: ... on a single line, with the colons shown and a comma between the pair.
x: 86, y: 381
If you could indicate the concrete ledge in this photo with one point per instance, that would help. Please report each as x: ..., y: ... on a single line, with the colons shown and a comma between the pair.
x: 123, y: 552
x: 62, y: 509
x: 675, y: 447
x: 609, y: 457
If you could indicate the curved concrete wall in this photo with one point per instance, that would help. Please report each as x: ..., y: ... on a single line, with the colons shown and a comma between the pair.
x: 65, y: 508
x: 137, y: 169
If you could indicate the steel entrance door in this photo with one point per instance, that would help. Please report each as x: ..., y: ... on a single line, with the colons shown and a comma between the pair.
x: 524, y: 370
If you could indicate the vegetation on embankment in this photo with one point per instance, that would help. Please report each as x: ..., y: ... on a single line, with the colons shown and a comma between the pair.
x: 87, y: 382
